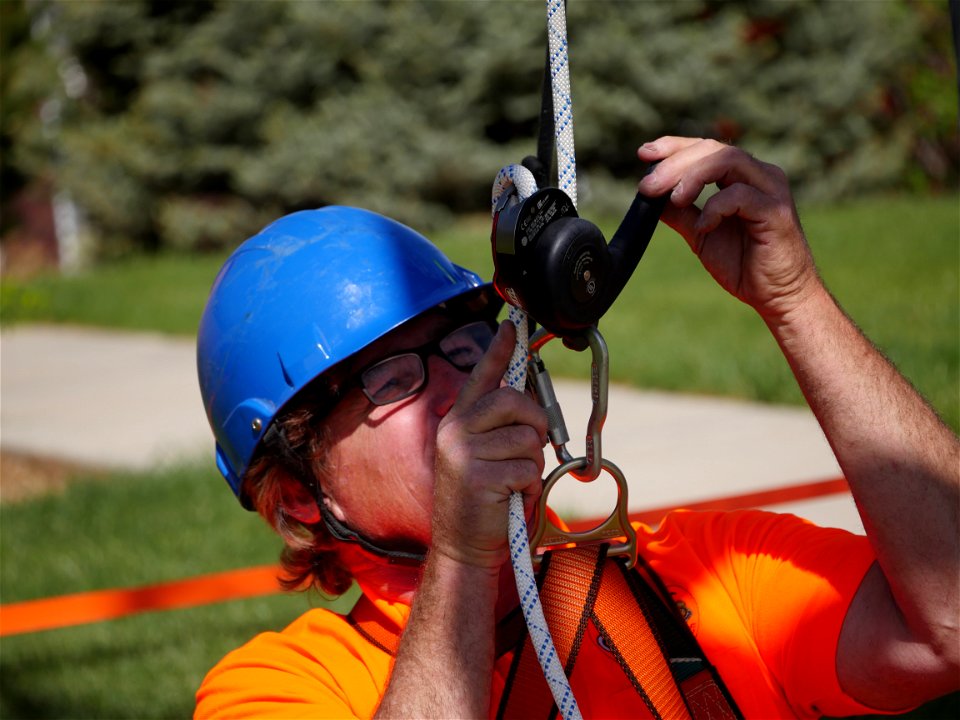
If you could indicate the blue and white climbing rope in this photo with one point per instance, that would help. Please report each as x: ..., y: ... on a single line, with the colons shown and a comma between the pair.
x: 562, y: 98
x: 518, y: 177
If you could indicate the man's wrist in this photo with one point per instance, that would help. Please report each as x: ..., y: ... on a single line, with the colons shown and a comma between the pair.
x: 788, y: 318
x: 479, y: 566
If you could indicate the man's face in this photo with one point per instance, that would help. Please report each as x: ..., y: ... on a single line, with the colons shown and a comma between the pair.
x: 383, y: 456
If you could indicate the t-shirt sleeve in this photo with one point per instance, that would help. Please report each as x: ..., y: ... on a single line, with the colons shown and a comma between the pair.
x: 792, y: 583
x: 287, y: 675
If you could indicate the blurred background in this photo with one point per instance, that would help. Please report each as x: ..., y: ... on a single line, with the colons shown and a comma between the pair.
x: 156, y: 126
x: 140, y: 141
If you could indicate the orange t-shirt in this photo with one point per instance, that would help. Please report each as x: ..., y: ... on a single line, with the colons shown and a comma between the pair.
x: 764, y: 594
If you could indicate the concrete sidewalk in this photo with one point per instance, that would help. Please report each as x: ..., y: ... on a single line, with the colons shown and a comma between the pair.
x: 130, y: 400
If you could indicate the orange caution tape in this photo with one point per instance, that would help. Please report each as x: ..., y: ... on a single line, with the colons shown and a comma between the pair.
x: 99, y: 605
x: 89, y: 607
x: 762, y: 498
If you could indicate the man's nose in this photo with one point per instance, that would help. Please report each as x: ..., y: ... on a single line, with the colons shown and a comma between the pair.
x: 446, y: 380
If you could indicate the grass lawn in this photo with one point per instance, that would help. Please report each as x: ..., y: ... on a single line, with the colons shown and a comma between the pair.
x: 126, y: 530
x: 893, y: 263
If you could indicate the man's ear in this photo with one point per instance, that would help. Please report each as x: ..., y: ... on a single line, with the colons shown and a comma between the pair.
x: 299, y: 502
x: 334, y: 508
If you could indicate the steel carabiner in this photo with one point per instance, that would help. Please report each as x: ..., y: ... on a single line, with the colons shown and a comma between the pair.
x: 617, y: 526
x: 599, y: 390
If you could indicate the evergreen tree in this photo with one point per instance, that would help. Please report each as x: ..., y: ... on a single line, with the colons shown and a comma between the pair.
x: 201, y: 121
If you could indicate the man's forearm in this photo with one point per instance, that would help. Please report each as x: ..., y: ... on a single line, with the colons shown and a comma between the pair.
x: 902, y: 462
x: 445, y: 662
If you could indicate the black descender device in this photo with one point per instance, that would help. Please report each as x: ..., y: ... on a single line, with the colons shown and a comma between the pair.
x: 557, y: 267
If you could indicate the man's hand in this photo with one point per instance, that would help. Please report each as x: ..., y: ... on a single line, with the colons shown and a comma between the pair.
x: 489, y: 445
x: 747, y: 235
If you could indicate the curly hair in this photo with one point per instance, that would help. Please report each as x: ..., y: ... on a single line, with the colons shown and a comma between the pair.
x: 296, y: 449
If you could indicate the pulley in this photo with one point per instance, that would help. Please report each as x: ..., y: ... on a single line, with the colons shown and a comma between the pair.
x: 557, y: 266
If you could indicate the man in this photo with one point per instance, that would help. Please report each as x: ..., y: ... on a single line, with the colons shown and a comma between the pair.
x: 376, y: 455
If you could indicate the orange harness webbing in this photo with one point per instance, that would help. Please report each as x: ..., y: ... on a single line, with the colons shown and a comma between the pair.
x: 567, y: 611
x: 636, y: 622
x: 635, y: 642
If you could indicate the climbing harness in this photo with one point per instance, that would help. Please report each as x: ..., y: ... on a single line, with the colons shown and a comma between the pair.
x: 636, y: 621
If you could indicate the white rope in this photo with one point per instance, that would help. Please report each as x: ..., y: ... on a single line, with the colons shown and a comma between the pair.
x: 562, y: 99
x: 516, y: 377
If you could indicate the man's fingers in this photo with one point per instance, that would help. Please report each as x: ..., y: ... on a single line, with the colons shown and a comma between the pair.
x: 489, y: 371
x: 483, y: 404
x: 687, y: 166
x: 682, y: 219
x: 516, y: 475
x: 739, y: 200
x: 664, y: 146
x: 509, y: 442
x: 504, y: 407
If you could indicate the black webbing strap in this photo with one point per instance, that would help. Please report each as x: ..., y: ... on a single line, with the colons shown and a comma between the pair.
x: 700, y: 684
x: 542, y: 164
x: 546, y: 142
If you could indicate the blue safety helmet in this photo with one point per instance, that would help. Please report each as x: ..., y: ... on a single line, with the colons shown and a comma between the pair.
x: 303, y: 295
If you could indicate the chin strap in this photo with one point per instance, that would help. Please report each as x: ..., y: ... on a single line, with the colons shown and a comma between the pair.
x: 345, y: 534
x: 292, y: 459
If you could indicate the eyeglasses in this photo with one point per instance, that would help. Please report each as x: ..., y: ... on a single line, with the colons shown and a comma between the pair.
x: 404, y: 374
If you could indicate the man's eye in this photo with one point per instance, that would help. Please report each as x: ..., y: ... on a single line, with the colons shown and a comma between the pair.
x: 466, y: 346
x: 464, y: 355
x: 392, y: 377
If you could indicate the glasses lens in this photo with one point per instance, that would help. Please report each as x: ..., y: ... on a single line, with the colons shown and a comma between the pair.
x: 400, y: 376
x: 466, y: 345
x: 393, y: 378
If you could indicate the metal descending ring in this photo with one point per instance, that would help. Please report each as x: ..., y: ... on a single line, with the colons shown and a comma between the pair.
x: 616, y: 529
